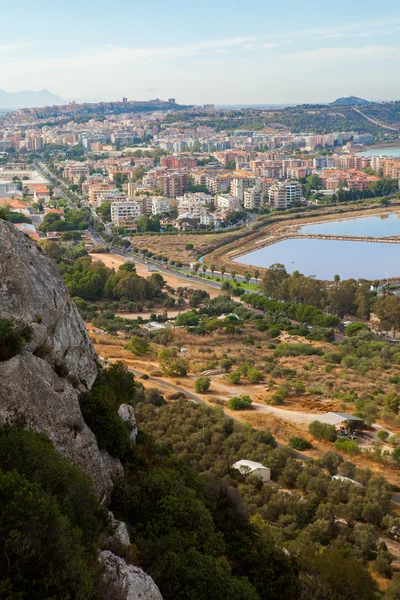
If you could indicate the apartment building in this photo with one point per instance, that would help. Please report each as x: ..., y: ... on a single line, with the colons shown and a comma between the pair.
x: 352, y: 162
x: 121, y: 211
x: 227, y: 203
x: 98, y: 188
x: 110, y: 196
x: 217, y: 184
x: 323, y: 162
x: 266, y: 183
x: 297, y: 172
x: 146, y: 204
x: 238, y: 186
x: 173, y: 184
x: 332, y: 179
x: 160, y: 205
x: 391, y: 168
x: 178, y: 162
x: 284, y: 194
x: 193, y: 204
x: 253, y: 198
x: 75, y: 170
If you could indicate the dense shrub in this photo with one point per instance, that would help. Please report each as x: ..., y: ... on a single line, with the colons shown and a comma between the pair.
x: 240, y: 403
x: 296, y: 350
x: 299, y: 443
x: 347, y: 446
x: 178, y: 367
x: 322, y: 431
x: 11, y: 339
x: 49, y: 521
x: 255, y: 376
x: 226, y: 364
x: 100, y: 410
x: 234, y: 377
x: 202, y: 384
x: 138, y: 346
x: 355, y: 328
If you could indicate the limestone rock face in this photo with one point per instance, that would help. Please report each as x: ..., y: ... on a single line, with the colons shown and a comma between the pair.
x: 32, y: 292
x: 117, y: 536
x: 127, y: 414
x: 39, y: 388
x: 124, y: 581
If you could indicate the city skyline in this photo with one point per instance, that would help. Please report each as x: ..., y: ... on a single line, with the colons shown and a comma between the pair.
x: 222, y: 54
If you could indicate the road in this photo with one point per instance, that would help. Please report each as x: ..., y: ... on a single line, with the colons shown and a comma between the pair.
x: 374, y: 121
x: 198, y: 400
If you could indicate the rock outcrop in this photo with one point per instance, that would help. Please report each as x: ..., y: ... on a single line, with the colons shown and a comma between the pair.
x: 127, y: 414
x: 125, y: 582
x: 39, y: 388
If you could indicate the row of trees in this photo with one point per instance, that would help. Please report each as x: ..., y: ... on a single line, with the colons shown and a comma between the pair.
x: 343, y: 297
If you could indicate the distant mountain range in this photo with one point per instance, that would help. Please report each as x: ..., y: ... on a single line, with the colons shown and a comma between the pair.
x: 350, y: 101
x: 28, y: 99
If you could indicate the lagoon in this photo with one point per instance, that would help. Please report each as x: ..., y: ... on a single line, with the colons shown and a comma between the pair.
x: 391, y: 151
x: 325, y: 258
x: 383, y: 225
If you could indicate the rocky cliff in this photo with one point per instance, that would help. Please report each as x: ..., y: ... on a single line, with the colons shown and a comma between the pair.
x: 39, y: 388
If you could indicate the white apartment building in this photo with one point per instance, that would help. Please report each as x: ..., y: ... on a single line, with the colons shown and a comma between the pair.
x: 120, y: 211
x: 285, y: 193
x: 160, y: 205
x: 205, y: 218
x: 217, y: 184
x: 225, y: 202
x: 239, y: 186
x: 192, y: 204
x: 253, y: 198
x: 110, y: 196
x: 146, y: 203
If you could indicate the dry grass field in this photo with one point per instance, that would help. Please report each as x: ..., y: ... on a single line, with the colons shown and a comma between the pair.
x: 323, y: 391
x: 174, y: 246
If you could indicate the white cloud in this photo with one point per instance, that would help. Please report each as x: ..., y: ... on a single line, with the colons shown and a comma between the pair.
x: 363, y: 53
x: 15, y: 46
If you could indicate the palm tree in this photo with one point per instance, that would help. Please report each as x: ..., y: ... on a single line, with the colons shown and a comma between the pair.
x: 204, y: 268
x: 222, y: 269
x: 212, y: 268
x: 256, y: 274
x: 196, y: 267
x: 233, y: 274
x: 336, y: 279
x: 247, y: 276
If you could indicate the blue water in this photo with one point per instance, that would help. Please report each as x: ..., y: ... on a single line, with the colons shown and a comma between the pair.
x: 377, y: 226
x: 325, y: 258
x: 393, y: 152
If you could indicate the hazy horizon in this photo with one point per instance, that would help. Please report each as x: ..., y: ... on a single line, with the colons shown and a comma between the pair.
x: 218, y: 53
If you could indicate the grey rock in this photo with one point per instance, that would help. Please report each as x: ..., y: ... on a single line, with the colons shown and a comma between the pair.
x: 33, y: 396
x: 39, y: 389
x: 125, y: 582
x: 117, y: 534
x: 127, y: 414
x: 32, y: 292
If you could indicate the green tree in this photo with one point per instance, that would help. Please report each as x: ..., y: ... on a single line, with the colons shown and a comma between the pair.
x: 322, y: 431
x: 43, y: 556
x: 273, y: 279
x: 240, y: 403
x: 138, y: 346
x: 388, y: 311
x: 202, y: 384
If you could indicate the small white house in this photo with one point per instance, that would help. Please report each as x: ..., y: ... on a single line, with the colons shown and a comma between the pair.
x: 250, y: 467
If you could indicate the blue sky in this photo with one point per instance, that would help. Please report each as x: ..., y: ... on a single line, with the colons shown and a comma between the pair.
x: 230, y: 52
